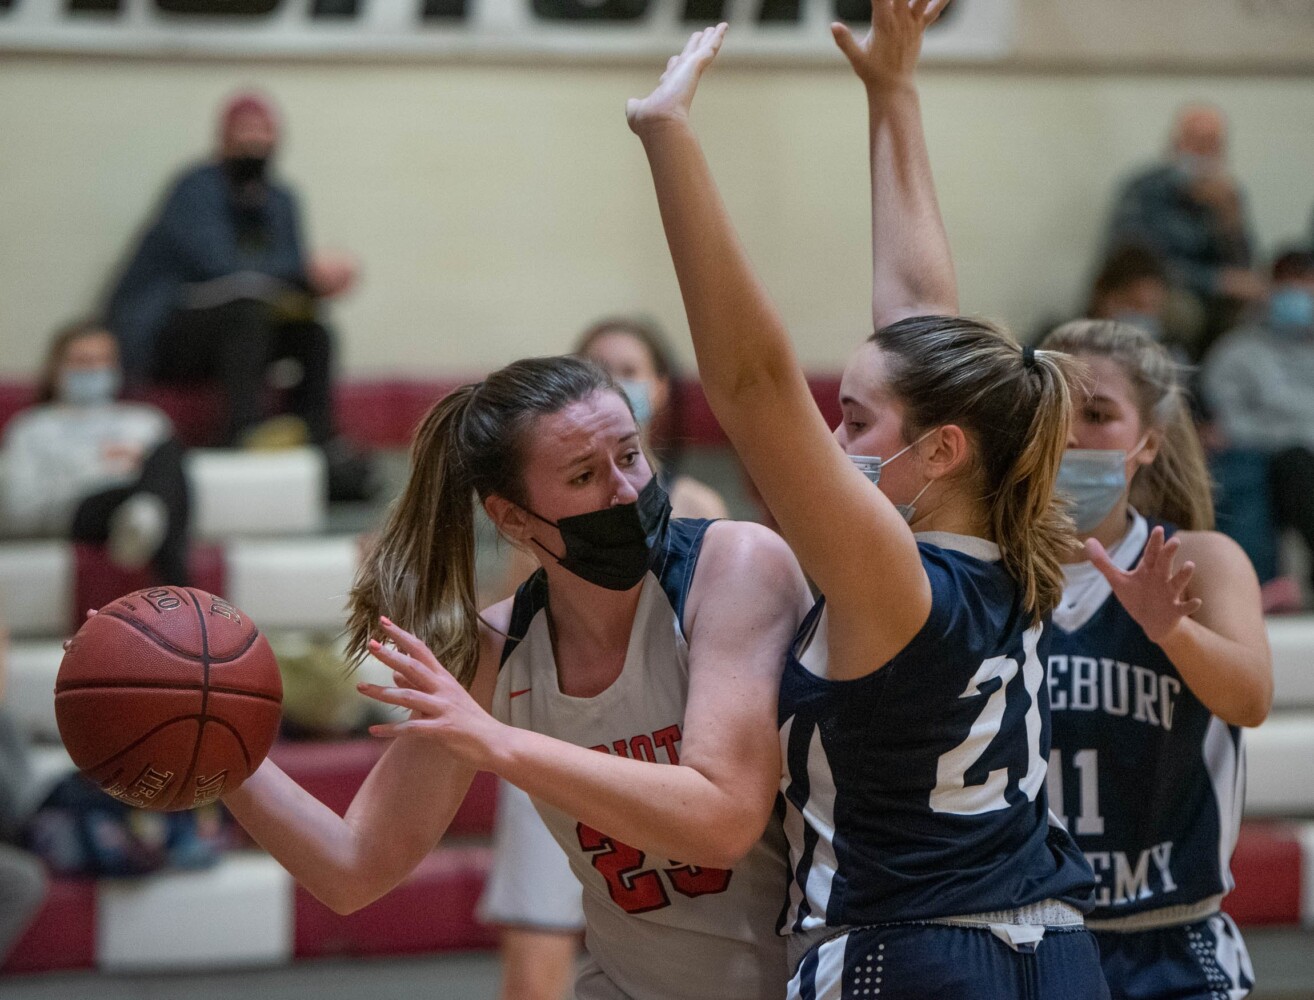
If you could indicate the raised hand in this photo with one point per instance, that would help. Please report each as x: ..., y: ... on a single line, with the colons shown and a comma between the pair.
x: 441, y: 709
x: 887, y: 56
x: 1154, y: 593
x: 675, y: 90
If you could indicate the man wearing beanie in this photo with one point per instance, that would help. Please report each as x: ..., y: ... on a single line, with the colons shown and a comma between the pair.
x: 220, y: 287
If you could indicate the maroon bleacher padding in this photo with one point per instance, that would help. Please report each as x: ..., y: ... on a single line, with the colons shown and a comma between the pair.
x: 383, y: 412
x: 14, y: 396
x: 97, y: 581
x: 332, y: 771
x: 433, y: 910
x: 195, y: 409
x: 63, y: 935
x: 1267, y: 867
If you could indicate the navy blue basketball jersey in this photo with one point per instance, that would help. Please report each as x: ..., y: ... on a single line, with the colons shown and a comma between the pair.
x: 918, y: 791
x: 1147, y: 779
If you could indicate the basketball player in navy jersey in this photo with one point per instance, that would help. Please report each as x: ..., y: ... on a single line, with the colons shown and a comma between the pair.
x: 1160, y: 656
x: 914, y: 717
x: 629, y: 686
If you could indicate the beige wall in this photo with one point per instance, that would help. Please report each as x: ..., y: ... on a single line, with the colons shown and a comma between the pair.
x: 498, y: 208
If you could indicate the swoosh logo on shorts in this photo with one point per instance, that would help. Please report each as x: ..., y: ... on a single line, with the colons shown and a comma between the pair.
x: 517, y: 694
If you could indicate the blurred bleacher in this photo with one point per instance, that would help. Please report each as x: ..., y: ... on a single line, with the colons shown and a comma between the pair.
x: 267, y: 541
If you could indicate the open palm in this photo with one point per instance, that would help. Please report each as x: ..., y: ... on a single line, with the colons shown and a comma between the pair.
x: 1154, y: 593
x: 675, y: 90
x: 888, y: 54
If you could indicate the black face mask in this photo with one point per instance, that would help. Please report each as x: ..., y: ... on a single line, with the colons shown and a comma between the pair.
x: 243, y: 170
x: 614, y: 547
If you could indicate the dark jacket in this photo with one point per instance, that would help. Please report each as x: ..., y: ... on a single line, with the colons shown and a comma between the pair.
x: 200, y: 234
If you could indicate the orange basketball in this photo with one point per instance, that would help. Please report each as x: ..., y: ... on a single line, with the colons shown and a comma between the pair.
x: 168, y: 698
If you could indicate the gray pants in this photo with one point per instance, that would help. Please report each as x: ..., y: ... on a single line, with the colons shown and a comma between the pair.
x: 22, y: 888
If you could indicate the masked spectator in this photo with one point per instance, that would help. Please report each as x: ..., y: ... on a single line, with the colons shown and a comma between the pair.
x: 1190, y: 211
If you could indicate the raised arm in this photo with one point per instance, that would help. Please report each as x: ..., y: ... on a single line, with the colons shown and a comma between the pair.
x: 837, y: 524
x: 912, y: 268
x: 404, y: 806
x: 711, y: 807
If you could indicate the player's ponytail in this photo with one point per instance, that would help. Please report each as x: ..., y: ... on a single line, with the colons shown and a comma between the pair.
x: 420, y: 570
x: 1175, y: 487
x: 1014, y: 404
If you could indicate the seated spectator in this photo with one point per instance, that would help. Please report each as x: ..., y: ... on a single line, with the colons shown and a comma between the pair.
x: 81, y: 464
x: 1258, y: 382
x: 1190, y: 211
x: 220, y: 287
x: 1131, y: 287
x: 22, y: 876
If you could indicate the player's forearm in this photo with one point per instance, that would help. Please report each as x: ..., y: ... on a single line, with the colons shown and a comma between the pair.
x: 341, y: 861
x: 912, y: 266
x: 1234, y: 682
x: 742, y: 347
x: 669, y: 810
x: 305, y: 836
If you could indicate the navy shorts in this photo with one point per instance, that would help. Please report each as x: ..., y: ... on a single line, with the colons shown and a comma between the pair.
x: 1201, y: 961
x: 935, y: 962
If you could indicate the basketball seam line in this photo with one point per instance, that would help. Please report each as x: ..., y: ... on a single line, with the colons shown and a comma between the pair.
x: 160, y: 640
x: 205, y: 698
x: 160, y: 686
x: 164, y: 725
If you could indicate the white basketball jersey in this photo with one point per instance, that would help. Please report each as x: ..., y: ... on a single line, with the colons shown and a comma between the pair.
x: 657, y: 929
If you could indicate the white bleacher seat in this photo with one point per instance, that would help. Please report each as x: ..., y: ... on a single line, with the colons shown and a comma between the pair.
x: 238, y: 913
x: 30, y: 696
x: 293, y: 583
x: 1292, y: 642
x: 237, y: 493
x: 36, y: 587
x: 1279, y: 775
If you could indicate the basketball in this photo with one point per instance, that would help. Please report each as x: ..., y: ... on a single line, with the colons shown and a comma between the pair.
x: 168, y: 698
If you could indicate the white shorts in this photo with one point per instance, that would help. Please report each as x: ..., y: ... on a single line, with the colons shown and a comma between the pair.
x: 531, y: 884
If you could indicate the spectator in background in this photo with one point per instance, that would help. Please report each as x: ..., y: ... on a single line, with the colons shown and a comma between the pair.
x: 22, y: 876
x: 83, y: 465
x: 1191, y: 212
x: 1258, y: 382
x: 220, y: 287
x: 1131, y: 287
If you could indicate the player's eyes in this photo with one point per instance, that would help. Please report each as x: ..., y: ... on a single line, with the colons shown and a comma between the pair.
x: 629, y: 458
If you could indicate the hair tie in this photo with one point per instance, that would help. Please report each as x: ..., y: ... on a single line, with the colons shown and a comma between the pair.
x: 1028, y: 356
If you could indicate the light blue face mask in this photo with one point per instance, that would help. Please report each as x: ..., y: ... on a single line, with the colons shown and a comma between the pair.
x: 871, y: 465
x: 1148, y: 322
x: 640, y: 396
x: 89, y: 386
x: 1094, y: 480
x: 1291, y: 312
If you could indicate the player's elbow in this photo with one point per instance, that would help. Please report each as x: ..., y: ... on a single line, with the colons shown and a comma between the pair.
x: 1255, y: 706
x: 728, y: 839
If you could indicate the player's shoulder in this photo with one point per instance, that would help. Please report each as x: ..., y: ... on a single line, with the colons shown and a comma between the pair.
x: 739, y: 545
x: 1213, y: 552
x: 740, y: 556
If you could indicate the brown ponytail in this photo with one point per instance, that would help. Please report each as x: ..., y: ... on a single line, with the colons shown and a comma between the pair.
x: 1175, y: 487
x: 420, y: 571
x: 1017, y: 409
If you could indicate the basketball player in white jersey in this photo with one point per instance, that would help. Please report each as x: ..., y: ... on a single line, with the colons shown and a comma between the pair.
x: 632, y: 684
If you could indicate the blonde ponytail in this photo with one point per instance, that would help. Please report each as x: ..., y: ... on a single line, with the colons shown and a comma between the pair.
x: 1017, y: 408
x: 420, y: 570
